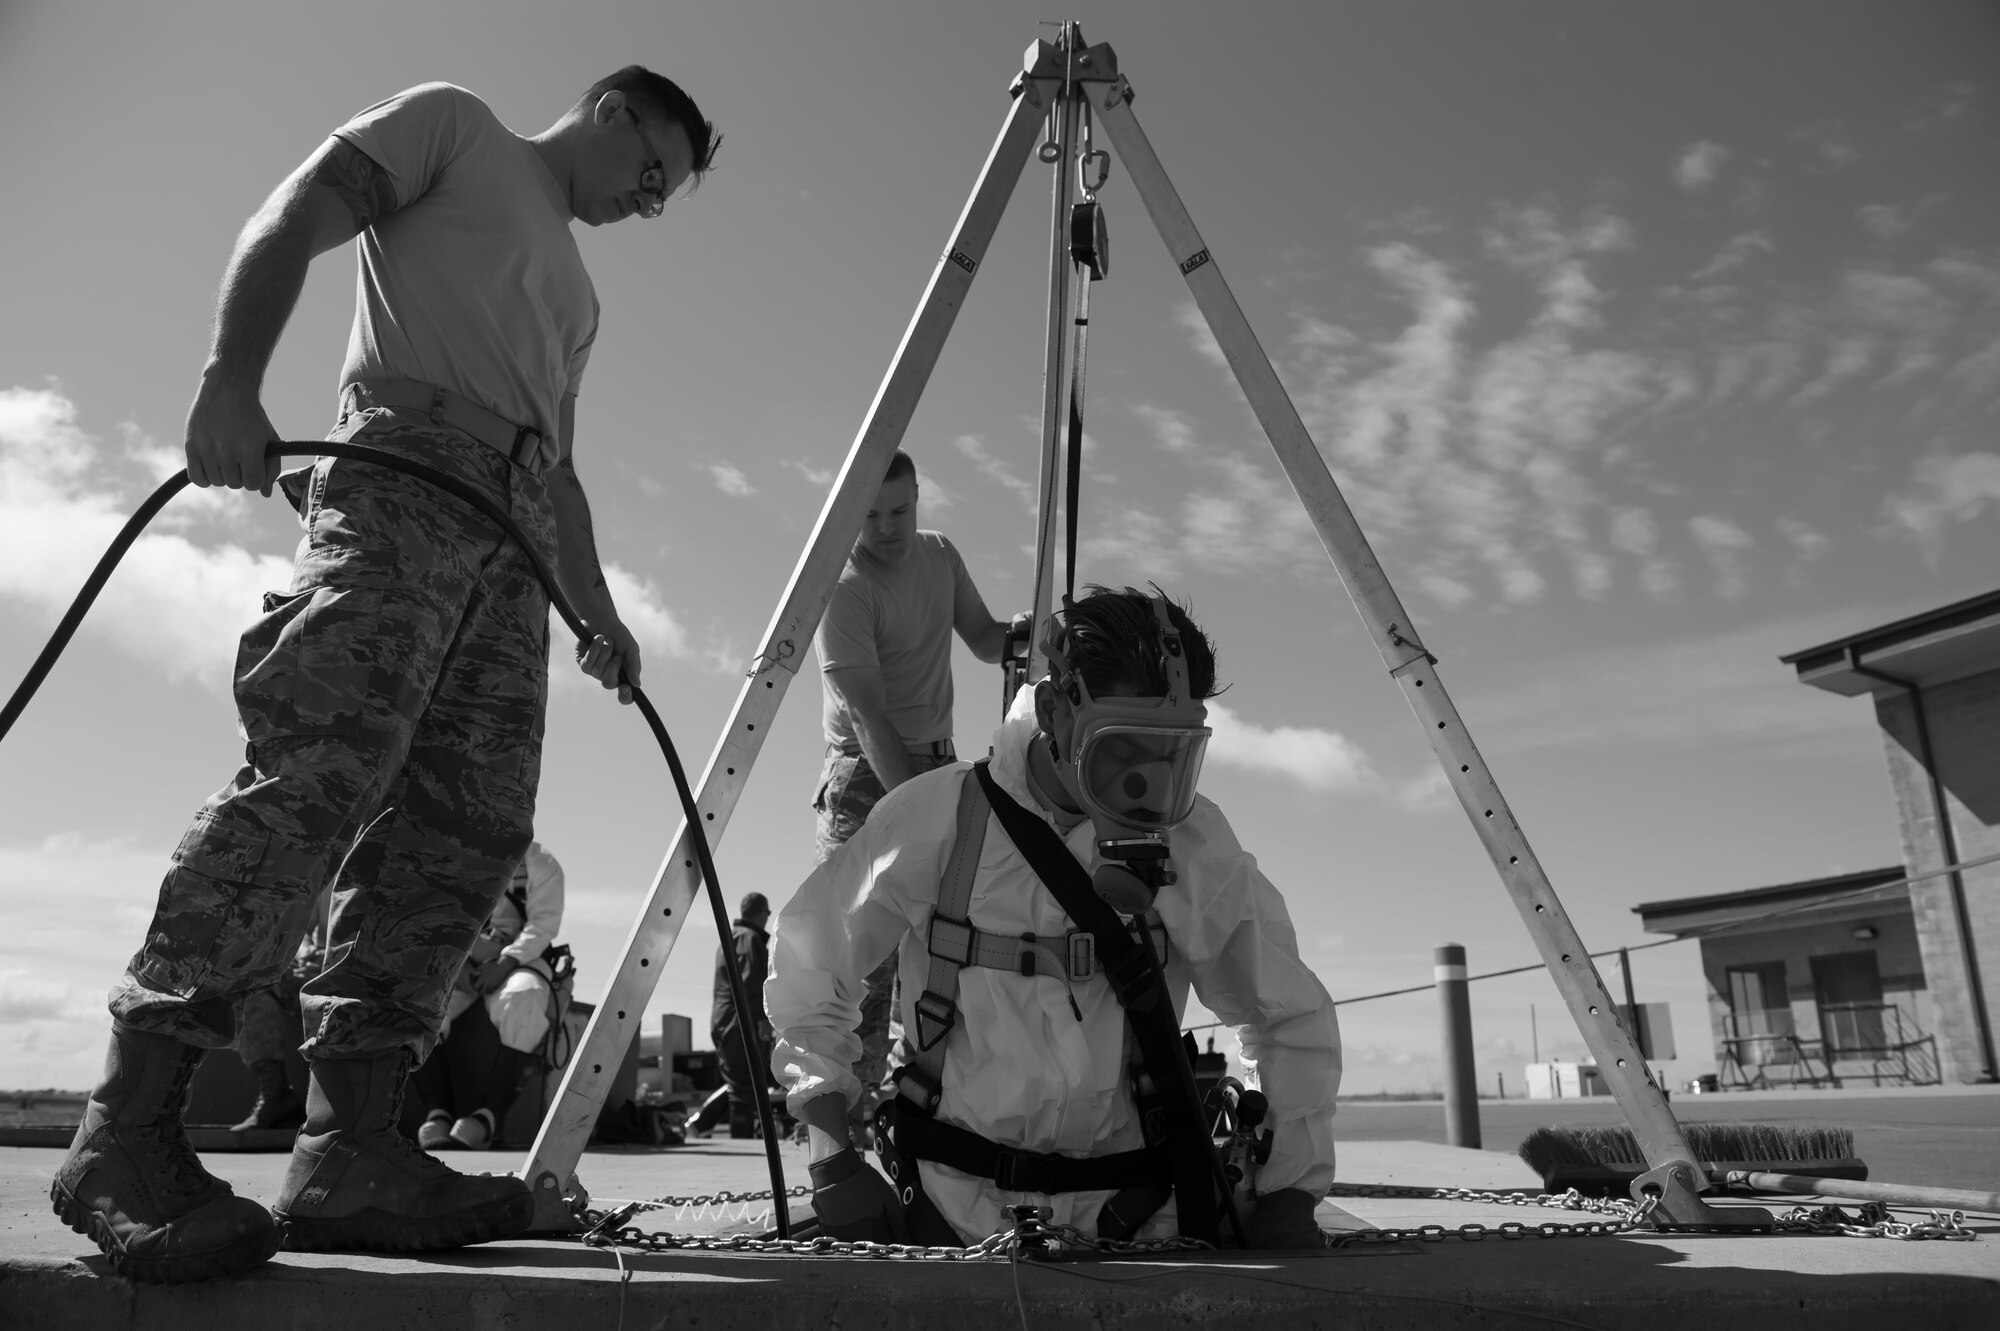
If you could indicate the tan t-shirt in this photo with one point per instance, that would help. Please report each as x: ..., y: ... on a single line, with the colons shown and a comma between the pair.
x: 898, y: 619
x: 474, y: 283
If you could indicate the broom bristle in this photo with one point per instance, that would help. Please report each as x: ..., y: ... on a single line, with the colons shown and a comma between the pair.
x: 1550, y: 1150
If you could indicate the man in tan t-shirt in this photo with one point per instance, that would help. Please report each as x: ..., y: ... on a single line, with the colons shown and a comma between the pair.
x: 885, y: 670
x: 393, y: 696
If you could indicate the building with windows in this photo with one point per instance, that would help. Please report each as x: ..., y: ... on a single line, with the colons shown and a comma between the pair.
x: 1815, y: 983
x: 1873, y: 972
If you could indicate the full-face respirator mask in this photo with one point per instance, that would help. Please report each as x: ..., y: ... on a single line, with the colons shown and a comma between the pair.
x: 1134, y: 764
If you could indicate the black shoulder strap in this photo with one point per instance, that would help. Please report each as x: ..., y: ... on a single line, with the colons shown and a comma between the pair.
x: 1141, y: 986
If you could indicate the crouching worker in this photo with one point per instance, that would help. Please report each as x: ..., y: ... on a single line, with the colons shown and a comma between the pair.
x: 1051, y: 908
x: 501, y: 1008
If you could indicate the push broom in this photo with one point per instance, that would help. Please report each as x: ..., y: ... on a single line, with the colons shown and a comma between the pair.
x: 1754, y: 1157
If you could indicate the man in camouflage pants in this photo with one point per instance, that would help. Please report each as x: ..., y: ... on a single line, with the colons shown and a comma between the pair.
x: 392, y: 698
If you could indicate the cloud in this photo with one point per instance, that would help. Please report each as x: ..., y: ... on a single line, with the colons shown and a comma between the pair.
x: 1806, y: 540
x: 658, y: 630
x: 1699, y: 164
x: 1170, y: 429
x: 974, y: 449
x: 1944, y: 489
x: 820, y: 476
x: 1888, y: 221
x: 179, y: 598
x: 1703, y: 691
x: 1830, y: 143
x: 75, y: 907
x: 1724, y: 543
x: 731, y: 480
x: 1188, y: 315
x: 1737, y: 251
x: 1320, y: 760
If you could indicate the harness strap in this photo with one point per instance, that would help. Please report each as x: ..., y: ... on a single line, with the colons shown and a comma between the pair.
x: 1140, y: 984
x: 937, y: 1006
x: 1072, y: 954
x: 1013, y: 1170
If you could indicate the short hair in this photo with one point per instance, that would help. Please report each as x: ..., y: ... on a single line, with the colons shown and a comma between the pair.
x: 1112, y: 638
x: 754, y: 903
x: 901, y: 465
x: 659, y: 97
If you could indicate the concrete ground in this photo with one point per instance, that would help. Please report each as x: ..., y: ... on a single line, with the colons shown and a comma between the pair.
x: 51, y: 1278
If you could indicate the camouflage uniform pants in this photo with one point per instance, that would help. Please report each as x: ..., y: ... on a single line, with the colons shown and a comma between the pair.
x: 393, y: 702
x: 848, y: 792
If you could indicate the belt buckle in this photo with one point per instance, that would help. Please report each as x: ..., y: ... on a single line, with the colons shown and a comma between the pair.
x: 532, y: 464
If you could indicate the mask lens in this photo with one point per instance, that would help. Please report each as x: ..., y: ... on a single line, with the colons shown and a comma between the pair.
x: 1141, y: 777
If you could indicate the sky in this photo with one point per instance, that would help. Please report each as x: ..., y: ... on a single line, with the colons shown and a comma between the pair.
x: 1648, y: 343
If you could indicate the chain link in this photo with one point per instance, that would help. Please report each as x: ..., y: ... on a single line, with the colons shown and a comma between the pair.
x: 604, y: 1228
x: 1875, y: 1222
x: 607, y: 1228
x: 1624, y: 1216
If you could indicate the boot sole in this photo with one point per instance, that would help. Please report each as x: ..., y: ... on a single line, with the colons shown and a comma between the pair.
x: 246, y: 1254
x: 373, y: 1230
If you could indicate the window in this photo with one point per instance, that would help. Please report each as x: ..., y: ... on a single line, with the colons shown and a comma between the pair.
x: 1758, y: 1004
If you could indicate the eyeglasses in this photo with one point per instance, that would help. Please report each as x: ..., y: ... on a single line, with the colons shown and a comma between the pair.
x: 653, y: 180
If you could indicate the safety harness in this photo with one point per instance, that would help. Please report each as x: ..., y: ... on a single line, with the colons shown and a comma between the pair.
x: 1178, y: 1156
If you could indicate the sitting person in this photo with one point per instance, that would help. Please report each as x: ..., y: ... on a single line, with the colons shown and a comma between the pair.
x: 498, y: 1014
x: 1030, y: 903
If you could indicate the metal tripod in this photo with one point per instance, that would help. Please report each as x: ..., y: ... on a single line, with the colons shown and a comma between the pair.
x: 1058, y: 81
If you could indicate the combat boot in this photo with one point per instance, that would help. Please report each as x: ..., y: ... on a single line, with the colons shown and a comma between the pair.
x: 356, y: 1182
x: 135, y: 1186
x: 278, y: 1106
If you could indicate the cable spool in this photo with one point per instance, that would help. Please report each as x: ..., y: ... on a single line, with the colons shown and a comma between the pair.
x: 1089, y: 241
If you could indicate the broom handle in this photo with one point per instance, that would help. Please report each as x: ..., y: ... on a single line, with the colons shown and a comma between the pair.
x: 1894, y: 1194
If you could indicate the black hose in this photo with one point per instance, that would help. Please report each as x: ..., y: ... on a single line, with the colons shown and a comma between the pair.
x: 458, y: 489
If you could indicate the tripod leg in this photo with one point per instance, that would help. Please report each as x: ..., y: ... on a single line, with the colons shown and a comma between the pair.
x: 1674, y: 1175
x: 586, y: 1080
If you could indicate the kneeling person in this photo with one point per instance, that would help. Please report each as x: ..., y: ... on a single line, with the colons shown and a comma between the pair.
x: 1024, y: 1093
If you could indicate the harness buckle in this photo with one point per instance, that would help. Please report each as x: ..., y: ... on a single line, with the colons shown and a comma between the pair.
x: 918, y: 1087
x: 1029, y: 958
x: 936, y: 1015
x: 1018, y: 1171
x: 1082, y: 954
x: 952, y: 940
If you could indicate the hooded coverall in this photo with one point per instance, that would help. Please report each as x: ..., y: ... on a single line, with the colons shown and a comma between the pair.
x: 1022, y: 1067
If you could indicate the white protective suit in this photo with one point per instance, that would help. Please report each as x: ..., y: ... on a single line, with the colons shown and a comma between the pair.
x: 519, y: 1008
x: 1020, y: 1067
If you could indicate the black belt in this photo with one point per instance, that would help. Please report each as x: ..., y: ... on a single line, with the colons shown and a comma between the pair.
x: 937, y: 748
x: 924, y: 1138
x: 519, y: 444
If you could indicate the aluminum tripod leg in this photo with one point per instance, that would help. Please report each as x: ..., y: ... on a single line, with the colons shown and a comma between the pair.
x: 1055, y: 380
x: 552, y: 1159
x: 1674, y: 1176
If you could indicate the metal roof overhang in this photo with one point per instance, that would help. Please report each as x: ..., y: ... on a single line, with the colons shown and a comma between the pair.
x: 1932, y: 648
x: 1782, y: 904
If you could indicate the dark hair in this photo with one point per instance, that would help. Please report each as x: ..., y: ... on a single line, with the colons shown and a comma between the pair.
x: 901, y: 465
x: 754, y: 903
x: 660, y: 98
x: 1112, y: 638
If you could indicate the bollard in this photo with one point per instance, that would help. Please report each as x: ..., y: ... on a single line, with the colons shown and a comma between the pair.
x: 1461, y: 1091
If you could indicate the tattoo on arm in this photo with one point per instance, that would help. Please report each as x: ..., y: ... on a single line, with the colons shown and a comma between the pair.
x: 359, y: 181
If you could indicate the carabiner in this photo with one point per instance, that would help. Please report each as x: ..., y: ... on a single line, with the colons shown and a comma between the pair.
x: 1102, y: 159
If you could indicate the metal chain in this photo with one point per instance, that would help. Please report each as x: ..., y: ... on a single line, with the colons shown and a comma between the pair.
x: 1624, y: 1216
x: 1875, y: 1222
x: 607, y: 1228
